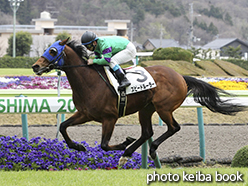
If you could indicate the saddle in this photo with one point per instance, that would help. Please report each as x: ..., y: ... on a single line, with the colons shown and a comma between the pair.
x: 140, y: 80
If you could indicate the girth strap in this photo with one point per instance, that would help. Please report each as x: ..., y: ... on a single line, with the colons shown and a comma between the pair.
x: 122, y: 102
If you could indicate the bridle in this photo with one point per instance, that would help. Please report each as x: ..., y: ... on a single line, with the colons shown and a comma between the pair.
x: 54, y: 63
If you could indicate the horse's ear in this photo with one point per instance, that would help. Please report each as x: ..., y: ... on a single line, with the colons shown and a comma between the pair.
x: 64, y: 41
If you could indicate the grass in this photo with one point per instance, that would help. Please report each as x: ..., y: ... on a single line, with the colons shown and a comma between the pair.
x: 201, y: 68
x: 16, y: 72
x: 182, y: 67
x: 115, y: 177
x: 19, y: 72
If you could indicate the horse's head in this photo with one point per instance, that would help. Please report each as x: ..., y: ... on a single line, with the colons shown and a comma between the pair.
x: 52, y: 57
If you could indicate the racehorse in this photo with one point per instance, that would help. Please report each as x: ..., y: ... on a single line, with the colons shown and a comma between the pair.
x: 95, y: 101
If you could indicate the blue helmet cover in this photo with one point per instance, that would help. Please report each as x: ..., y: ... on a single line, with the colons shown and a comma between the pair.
x: 53, y: 59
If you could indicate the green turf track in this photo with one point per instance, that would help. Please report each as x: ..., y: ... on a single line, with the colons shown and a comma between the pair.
x: 113, y: 177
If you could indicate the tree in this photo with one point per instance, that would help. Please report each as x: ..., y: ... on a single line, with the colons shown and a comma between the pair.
x: 195, y: 22
x: 23, y: 43
x: 174, y: 11
x: 62, y: 35
x: 228, y: 19
x: 139, y: 16
x: 232, y: 52
x: 212, y: 29
x: 216, y: 12
x: 203, y: 25
x: 5, y: 7
x: 195, y: 51
x: 172, y: 53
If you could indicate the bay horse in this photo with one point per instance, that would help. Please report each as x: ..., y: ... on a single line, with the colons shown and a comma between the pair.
x: 95, y: 101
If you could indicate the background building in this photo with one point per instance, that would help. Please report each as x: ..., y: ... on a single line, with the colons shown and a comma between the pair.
x: 44, y: 32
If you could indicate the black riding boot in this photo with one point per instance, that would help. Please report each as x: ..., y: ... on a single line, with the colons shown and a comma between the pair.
x: 123, y: 81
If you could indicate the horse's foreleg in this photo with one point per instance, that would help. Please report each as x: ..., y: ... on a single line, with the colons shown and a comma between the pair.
x: 146, y: 129
x: 173, y: 127
x: 107, y: 130
x: 76, y: 119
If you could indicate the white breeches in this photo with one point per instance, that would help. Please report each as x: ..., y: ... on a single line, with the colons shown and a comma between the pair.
x: 123, y: 56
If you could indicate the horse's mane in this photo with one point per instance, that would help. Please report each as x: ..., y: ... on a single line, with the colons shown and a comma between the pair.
x: 78, y: 48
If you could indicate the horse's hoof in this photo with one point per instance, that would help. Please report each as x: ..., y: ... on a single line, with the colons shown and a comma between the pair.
x: 77, y: 147
x: 122, y: 161
x: 81, y: 148
x: 153, y: 155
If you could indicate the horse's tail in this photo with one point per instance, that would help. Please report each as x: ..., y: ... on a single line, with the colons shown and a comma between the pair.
x: 208, y: 95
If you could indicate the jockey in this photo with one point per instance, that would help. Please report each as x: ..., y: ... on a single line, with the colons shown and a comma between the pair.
x: 112, y: 51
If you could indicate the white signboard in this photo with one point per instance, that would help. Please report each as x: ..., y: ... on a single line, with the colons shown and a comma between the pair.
x: 36, y: 105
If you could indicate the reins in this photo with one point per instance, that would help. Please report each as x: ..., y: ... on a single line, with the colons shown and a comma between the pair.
x: 70, y: 66
x: 110, y: 87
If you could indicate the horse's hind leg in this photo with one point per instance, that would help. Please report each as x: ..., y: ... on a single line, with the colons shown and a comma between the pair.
x: 76, y: 119
x: 173, y: 127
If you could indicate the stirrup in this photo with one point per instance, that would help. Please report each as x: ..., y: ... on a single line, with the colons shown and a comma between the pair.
x: 122, y: 86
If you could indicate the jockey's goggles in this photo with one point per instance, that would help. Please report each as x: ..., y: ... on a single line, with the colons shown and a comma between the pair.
x: 89, y: 45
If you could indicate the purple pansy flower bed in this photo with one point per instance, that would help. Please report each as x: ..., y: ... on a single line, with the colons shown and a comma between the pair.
x: 51, y: 82
x: 33, y: 82
x: 51, y: 154
x: 216, y: 79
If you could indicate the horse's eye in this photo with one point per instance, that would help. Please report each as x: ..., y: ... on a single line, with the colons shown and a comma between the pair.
x: 53, y: 51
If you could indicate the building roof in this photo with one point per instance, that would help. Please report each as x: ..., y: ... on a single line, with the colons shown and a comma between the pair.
x: 118, y: 21
x: 222, y: 42
x: 57, y: 28
x: 157, y: 43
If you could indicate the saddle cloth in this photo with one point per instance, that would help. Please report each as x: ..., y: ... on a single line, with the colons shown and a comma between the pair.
x: 138, y: 76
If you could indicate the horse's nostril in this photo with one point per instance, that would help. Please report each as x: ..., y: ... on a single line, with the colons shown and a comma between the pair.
x: 35, y: 68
